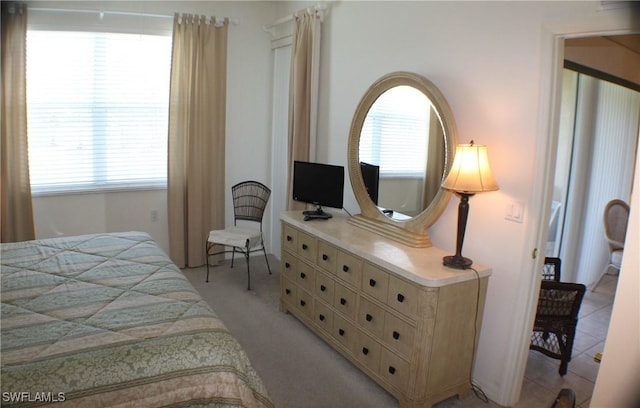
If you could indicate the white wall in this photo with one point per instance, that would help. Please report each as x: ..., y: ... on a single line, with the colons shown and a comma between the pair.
x: 402, y: 194
x: 485, y: 57
x: 77, y: 214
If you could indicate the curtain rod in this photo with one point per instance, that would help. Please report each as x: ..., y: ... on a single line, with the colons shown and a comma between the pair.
x: 318, y: 8
x: 234, y: 21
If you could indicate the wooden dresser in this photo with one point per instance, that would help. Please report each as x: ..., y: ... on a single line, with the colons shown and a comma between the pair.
x: 395, y: 312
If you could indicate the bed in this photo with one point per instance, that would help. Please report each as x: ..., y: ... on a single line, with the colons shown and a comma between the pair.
x: 109, y: 320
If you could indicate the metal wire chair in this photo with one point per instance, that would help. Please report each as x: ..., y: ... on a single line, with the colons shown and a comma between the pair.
x: 250, y: 199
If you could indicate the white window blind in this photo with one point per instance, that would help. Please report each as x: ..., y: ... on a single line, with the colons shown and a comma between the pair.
x: 395, y: 133
x: 97, y: 108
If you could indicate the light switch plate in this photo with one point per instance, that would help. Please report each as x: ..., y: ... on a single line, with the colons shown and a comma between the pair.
x: 514, y: 211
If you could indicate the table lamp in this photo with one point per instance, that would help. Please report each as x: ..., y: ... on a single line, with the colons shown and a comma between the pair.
x: 469, y: 174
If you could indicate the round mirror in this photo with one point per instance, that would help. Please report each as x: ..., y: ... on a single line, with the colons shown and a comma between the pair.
x: 401, y: 146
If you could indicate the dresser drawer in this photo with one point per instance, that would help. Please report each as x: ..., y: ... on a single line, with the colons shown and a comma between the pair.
x: 304, y: 303
x: 368, y: 308
x: 323, y: 316
x: 289, y: 292
x: 290, y: 238
x: 304, y: 275
x: 349, y: 268
x: 289, y: 266
x: 398, y: 335
x: 307, y: 247
x: 344, y: 332
x: 371, y: 317
x: 368, y: 351
x: 375, y: 282
x: 327, y: 256
x: 394, y: 369
x: 324, y: 287
x: 344, y: 300
x: 403, y: 297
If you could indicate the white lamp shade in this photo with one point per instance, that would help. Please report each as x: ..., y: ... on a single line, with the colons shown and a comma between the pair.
x: 470, y: 172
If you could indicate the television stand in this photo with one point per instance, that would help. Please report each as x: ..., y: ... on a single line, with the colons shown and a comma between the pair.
x: 317, y: 214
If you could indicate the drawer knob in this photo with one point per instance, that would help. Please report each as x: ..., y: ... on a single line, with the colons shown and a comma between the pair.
x: 304, y: 247
x: 287, y: 265
x: 343, y: 301
x: 396, y: 335
x: 372, y: 282
x: 323, y: 288
x: 341, y: 332
x: 369, y: 317
x: 345, y: 268
x: 287, y: 291
x: 365, y: 351
x: 303, y: 275
x: 325, y: 257
x: 392, y: 370
x: 400, y: 297
x: 303, y: 303
x: 289, y: 238
x: 321, y: 317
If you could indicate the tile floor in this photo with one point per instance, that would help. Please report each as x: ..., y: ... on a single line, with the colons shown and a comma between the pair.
x: 542, y: 381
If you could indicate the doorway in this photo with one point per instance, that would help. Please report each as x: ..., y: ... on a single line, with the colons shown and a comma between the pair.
x: 565, y: 159
x: 597, y: 140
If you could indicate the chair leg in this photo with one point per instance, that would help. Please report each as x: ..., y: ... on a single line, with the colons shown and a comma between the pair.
x: 266, y: 259
x: 566, y: 349
x: 233, y: 256
x: 246, y: 255
x: 206, y: 260
x: 564, y: 364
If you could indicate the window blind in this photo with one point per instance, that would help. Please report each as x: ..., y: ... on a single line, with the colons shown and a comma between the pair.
x: 97, y: 108
x: 395, y: 133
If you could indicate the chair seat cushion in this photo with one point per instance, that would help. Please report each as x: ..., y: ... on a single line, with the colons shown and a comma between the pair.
x: 235, y: 236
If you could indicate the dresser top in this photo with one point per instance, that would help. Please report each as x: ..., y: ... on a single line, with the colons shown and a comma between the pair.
x: 420, y: 265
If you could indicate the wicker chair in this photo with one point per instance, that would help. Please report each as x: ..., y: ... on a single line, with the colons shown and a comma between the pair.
x: 250, y: 199
x: 556, y: 320
x: 551, y: 269
x: 616, y: 218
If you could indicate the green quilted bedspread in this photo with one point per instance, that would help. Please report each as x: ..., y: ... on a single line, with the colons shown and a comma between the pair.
x: 109, y: 320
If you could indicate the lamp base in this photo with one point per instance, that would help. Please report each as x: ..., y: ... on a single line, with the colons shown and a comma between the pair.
x: 457, y: 262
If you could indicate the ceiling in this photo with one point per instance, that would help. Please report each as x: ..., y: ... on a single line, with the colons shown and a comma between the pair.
x: 613, y: 58
x: 631, y: 41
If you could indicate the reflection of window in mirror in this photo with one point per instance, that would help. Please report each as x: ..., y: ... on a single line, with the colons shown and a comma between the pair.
x: 394, y: 132
x: 394, y: 136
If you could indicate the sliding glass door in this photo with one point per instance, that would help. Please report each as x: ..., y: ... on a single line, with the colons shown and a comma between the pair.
x: 595, y: 163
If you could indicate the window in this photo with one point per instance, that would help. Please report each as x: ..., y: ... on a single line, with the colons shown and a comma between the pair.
x: 395, y: 133
x: 97, y: 106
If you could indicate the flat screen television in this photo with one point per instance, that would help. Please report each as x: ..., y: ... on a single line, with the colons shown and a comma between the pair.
x: 371, y: 177
x: 318, y: 184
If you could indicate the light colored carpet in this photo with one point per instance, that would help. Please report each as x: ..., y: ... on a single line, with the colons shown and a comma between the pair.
x: 297, y: 367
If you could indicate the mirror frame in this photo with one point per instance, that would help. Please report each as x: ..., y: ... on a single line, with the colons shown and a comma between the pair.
x: 412, y: 232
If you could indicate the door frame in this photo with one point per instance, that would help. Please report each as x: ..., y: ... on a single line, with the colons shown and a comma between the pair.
x: 552, y: 62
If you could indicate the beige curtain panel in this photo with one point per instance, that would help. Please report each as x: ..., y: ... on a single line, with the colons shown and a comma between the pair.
x: 15, y: 189
x: 302, y: 109
x: 196, y: 182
